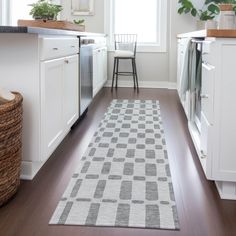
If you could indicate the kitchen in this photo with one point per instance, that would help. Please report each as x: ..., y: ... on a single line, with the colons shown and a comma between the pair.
x: 44, y: 66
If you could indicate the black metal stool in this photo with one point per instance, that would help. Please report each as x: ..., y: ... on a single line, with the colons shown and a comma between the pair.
x: 125, y: 49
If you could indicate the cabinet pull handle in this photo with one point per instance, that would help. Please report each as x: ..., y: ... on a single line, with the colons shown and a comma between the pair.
x: 203, y: 156
x: 67, y: 61
x: 72, y: 46
x: 204, y: 96
x: 55, y: 49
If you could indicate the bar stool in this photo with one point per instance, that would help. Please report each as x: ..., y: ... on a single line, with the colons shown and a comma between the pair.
x: 125, y: 49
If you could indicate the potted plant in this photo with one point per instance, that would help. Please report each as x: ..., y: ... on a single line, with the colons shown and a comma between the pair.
x: 79, y: 21
x: 207, y: 13
x: 45, y: 10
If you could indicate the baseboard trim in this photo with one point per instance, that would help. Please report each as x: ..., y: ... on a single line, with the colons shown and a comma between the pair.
x: 226, y: 190
x: 144, y: 84
x: 30, y: 169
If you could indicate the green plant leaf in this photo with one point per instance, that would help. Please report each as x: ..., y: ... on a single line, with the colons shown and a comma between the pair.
x: 186, y: 11
x: 194, y: 12
x: 213, y: 9
x: 181, y: 10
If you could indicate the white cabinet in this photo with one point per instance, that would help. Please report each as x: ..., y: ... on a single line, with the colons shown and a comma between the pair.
x: 59, y: 90
x: 51, y: 105
x: 44, y: 69
x: 71, y: 91
x: 220, y: 112
x: 216, y: 147
x: 59, y: 101
x: 99, y: 69
x: 181, y: 73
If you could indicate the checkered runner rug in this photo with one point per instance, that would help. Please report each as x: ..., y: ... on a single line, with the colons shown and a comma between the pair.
x: 124, y: 178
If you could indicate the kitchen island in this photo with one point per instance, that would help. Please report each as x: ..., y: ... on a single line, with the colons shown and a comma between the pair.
x: 43, y: 65
x: 212, y: 125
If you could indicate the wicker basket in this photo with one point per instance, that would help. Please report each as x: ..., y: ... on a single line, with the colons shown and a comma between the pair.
x: 10, y: 147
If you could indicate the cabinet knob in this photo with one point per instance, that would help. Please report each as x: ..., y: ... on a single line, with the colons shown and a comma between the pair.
x: 66, y: 61
x: 203, y: 155
x: 205, y: 96
x: 55, y: 49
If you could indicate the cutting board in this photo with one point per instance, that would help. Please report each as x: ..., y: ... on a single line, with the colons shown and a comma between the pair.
x: 51, y: 24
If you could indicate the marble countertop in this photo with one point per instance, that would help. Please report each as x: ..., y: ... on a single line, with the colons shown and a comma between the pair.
x: 36, y: 30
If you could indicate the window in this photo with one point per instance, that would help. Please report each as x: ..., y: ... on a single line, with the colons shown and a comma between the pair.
x: 147, y: 18
x: 19, y: 10
x: 12, y: 10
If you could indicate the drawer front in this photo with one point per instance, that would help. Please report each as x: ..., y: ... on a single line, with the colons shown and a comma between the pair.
x: 51, y: 48
x: 207, y: 95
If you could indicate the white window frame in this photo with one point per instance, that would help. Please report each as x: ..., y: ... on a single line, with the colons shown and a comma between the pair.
x: 142, y: 47
x: 4, y: 12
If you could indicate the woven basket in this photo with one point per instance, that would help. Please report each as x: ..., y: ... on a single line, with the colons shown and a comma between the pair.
x: 10, y: 147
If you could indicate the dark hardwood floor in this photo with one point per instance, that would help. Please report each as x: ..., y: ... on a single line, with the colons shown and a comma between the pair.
x: 201, y: 211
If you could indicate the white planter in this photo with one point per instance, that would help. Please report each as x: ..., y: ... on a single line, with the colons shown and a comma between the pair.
x: 201, y: 25
x: 227, y: 20
x: 211, y: 24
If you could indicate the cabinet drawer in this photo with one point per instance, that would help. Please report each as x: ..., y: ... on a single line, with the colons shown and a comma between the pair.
x: 51, y: 48
x: 207, y: 95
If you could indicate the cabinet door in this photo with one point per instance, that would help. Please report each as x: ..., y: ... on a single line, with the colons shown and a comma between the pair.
x: 51, y: 105
x: 207, y: 96
x: 70, y: 91
x: 104, y: 61
x: 99, y: 69
x: 96, y: 73
x: 179, y: 64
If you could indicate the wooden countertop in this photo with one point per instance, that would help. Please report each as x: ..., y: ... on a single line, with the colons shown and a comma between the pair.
x: 209, y: 33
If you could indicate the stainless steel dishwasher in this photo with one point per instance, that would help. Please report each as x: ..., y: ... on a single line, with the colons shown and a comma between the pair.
x: 86, y: 73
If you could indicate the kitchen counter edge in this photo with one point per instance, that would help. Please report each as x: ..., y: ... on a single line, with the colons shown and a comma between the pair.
x: 46, y: 31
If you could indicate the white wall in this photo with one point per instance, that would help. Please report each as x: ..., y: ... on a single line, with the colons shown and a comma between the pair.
x: 153, y: 68
x: 93, y: 23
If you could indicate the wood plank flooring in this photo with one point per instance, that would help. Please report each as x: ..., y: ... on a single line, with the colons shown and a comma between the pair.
x: 201, y: 211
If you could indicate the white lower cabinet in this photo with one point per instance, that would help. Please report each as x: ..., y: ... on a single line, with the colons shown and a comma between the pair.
x: 59, y: 100
x: 51, y: 105
x: 99, y: 69
x: 217, y: 148
x: 44, y: 69
x: 70, y: 91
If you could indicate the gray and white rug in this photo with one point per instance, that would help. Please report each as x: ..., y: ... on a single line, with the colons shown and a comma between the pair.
x: 124, y: 177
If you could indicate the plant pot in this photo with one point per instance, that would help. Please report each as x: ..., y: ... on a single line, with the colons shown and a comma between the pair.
x: 201, y: 25
x: 211, y: 24
x: 226, y: 16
